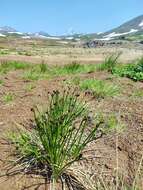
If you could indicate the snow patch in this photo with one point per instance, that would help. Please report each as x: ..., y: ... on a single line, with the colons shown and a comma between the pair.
x: 46, y: 37
x: 114, y: 34
x: 69, y: 38
x: 141, y: 24
x: 26, y: 37
x: 20, y: 33
x: 2, y: 35
x: 63, y: 42
x: 133, y: 30
x: 53, y: 38
x: 99, y: 33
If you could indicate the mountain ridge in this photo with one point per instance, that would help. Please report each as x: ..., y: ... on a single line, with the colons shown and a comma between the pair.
x: 133, y: 26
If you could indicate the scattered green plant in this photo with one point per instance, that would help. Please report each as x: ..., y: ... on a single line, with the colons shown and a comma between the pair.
x: 27, y: 53
x: 30, y: 87
x: 9, y: 97
x: 99, y: 88
x: 1, y: 82
x: 4, y: 52
x: 138, y: 93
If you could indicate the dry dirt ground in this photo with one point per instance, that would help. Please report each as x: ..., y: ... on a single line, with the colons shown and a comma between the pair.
x: 118, y: 153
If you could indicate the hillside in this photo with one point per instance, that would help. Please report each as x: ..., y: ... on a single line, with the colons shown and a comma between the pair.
x: 129, y: 28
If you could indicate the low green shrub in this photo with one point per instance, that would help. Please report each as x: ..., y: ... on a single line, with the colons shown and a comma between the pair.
x: 133, y: 70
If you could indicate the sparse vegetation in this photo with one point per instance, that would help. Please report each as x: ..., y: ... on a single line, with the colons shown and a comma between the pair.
x: 7, y: 66
x: 30, y: 87
x: 27, y: 53
x: 4, y: 52
x: 31, y: 75
x: 1, y: 82
x: 101, y: 184
x: 138, y: 93
x: 74, y: 68
x: 98, y: 88
x: 9, y: 97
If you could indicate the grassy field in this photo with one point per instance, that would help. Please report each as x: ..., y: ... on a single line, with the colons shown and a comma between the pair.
x: 97, y: 149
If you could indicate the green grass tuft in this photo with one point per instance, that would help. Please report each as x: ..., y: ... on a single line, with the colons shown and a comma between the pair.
x: 110, y: 63
x: 100, y: 89
x: 31, y: 75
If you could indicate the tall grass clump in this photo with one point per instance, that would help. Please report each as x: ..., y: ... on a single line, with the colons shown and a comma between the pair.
x: 56, y: 141
x: 31, y: 75
x: 110, y: 63
x: 74, y: 68
x: 43, y: 67
x: 38, y: 72
x: 71, y: 68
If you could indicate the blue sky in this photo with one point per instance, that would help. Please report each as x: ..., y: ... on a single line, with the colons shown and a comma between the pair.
x: 62, y: 16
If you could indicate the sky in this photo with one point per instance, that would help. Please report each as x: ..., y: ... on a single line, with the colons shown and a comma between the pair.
x: 65, y: 16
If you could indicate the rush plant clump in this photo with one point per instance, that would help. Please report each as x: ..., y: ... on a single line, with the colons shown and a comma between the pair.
x: 56, y: 141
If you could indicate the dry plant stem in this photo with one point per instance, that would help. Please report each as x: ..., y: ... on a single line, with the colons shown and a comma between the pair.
x: 137, y: 173
x: 46, y: 184
x: 63, y: 183
x: 52, y: 184
x: 117, y: 156
x: 117, y: 162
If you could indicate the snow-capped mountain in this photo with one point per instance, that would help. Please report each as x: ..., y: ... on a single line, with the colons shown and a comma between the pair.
x: 134, y: 26
x: 6, y: 29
